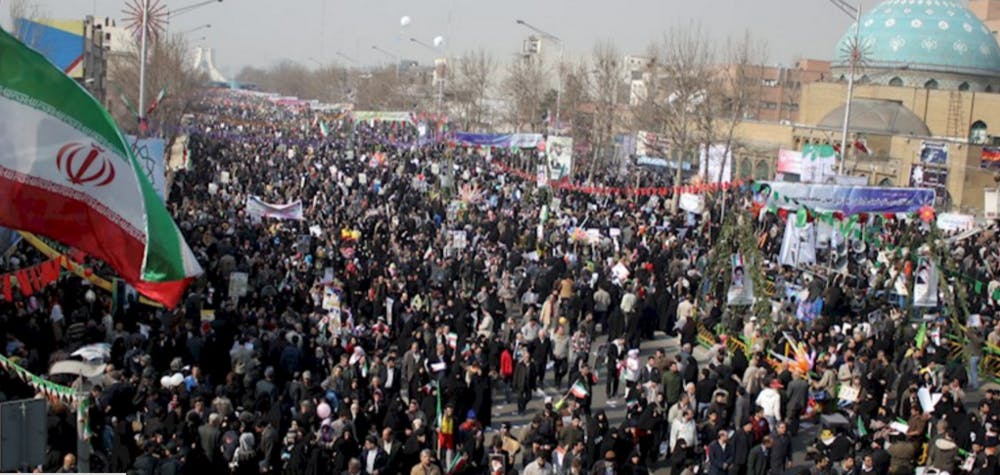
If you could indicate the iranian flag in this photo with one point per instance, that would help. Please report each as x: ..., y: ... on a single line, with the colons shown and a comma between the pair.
x: 578, y: 390
x: 156, y: 101
x: 323, y: 130
x: 67, y: 173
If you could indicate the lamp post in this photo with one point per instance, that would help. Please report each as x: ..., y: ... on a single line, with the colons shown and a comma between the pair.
x: 346, y: 58
x: 394, y: 56
x: 191, y: 7
x: 440, y: 95
x: 853, y: 58
x: 550, y: 36
x: 197, y: 28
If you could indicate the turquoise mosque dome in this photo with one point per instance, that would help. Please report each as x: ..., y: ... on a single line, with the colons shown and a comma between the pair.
x: 924, y: 35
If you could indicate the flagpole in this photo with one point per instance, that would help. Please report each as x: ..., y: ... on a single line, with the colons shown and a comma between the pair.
x: 568, y: 391
x: 142, y: 65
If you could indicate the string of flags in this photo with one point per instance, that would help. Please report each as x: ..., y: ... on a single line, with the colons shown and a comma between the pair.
x: 846, y: 225
x: 564, y: 184
x: 38, y: 383
x: 35, y: 278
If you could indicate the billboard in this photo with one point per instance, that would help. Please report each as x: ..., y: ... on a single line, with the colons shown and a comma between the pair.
x: 850, y: 199
x: 649, y: 144
x: 60, y: 41
x: 559, y: 152
x: 715, y: 162
x: 814, y: 164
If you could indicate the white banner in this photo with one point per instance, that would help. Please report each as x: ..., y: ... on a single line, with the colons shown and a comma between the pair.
x: 692, y: 203
x: 559, y: 152
x: 716, y: 160
x: 951, y: 222
x: 740, y: 284
x: 799, y: 244
x: 925, y: 284
x: 259, y: 209
x: 238, y: 284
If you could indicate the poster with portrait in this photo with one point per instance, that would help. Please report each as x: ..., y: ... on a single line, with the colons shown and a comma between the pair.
x: 925, y: 284
x: 740, y: 284
x: 934, y: 153
x: 559, y: 153
x: 928, y: 176
x: 798, y: 246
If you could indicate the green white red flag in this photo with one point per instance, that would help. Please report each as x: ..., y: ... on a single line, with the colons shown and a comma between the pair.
x: 67, y: 173
x: 156, y: 102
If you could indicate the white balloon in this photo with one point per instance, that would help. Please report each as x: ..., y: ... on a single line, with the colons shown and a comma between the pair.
x: 438, y: 41
x: 405, y: 21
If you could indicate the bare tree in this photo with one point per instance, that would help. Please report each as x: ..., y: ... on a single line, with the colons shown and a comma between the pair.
x: 473, y: 79
x: 27, y: 10
x: 167, y: 68
x: 525, y: 89
x: 577, y: 93
x: 734, y: 90
x: 607, y: 76
x: 686, y: 59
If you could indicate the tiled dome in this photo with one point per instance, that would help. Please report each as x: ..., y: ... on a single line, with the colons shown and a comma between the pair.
x: 924, y: 35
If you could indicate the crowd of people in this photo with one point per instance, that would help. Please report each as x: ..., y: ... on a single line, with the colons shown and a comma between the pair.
x: 434, y: 314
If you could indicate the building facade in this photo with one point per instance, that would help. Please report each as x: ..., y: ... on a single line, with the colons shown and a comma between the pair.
x: 925, y: 105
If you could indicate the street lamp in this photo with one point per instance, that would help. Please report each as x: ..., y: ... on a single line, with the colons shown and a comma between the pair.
x: 440, y: 98
x: 550, y: 36
x: 197, y: 28
x: 394, y: 56
x: 346, y: 58
x: 853, y: 58
x: 189, y: 8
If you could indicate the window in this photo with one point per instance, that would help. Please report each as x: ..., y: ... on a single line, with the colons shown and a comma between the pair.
x: 963, y: 87
x: 931, y: 84
x: 746, y: 168
x: 896, y: 82
x: 989, y: 88
x: 978, y: 132
x: 885, y: 182
x: 763, y: 170
x: 636, y: 75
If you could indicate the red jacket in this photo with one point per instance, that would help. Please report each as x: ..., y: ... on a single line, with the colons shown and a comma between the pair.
x: 506, y: 364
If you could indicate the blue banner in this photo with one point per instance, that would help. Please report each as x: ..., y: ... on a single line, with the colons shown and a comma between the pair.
x: 850, y: 199
x: 499, y: 140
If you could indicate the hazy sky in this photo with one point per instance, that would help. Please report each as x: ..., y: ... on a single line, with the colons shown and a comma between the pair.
x: 261, y: 32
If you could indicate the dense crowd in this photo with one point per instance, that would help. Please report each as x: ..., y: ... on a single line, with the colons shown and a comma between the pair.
x: 428, y: 300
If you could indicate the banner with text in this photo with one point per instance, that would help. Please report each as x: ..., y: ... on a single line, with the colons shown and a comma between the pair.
x: 259, y: 209
x: 849, y: 199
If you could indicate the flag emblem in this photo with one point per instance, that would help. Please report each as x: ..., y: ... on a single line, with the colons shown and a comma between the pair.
x: 93, y: 169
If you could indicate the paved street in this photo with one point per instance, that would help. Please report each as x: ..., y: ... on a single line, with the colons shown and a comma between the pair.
x: 615, y: 409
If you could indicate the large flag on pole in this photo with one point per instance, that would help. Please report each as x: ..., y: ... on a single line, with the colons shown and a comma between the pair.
x: 67, y: 173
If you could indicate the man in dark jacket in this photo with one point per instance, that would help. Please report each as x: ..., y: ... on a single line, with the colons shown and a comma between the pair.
x: 540, y: 351
x: 797, y: 396
x: 781, y: 451
x: 524, y: 379
x: 759, y: 461
x: 720, y: 455
x: 742, y: 442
